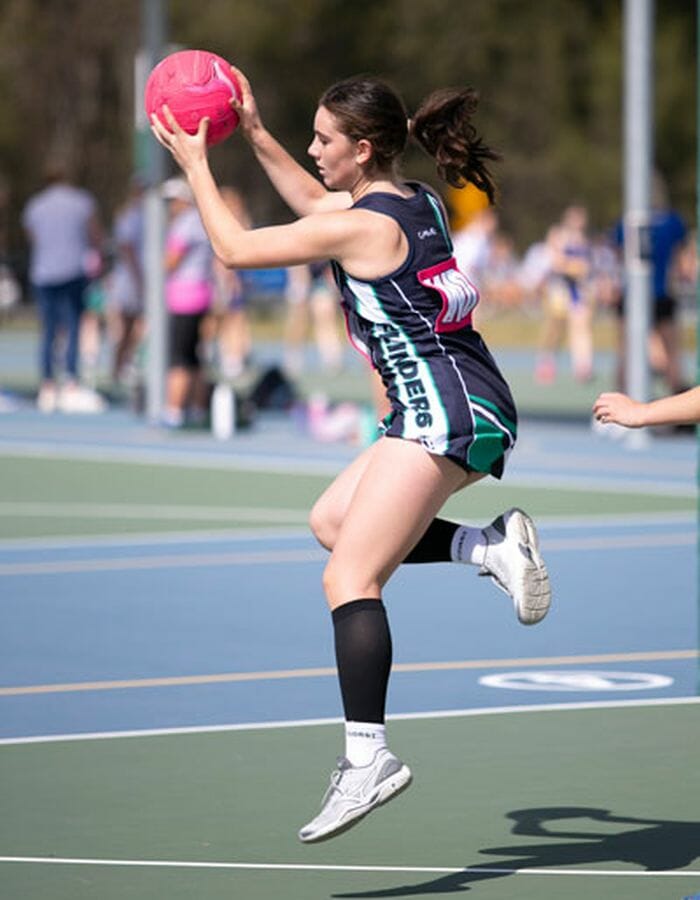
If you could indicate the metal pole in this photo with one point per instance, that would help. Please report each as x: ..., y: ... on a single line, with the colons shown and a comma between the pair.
x: 638, y: 154
x: 153, y: 34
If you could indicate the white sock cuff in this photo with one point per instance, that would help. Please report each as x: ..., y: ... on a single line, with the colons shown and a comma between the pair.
x: 366, y: 731
x: 469, y: 545
x: 362, y: 740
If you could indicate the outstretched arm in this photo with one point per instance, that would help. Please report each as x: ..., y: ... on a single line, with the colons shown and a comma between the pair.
x: 678, y: 409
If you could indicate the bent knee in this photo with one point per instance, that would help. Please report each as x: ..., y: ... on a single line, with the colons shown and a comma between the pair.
x: 323, y: 528
x: 343, y: 583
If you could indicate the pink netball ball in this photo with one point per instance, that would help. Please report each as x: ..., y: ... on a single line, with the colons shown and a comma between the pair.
x: 194, y: 84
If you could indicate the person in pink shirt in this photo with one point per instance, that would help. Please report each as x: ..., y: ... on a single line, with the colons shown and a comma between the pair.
x: 189, y: 290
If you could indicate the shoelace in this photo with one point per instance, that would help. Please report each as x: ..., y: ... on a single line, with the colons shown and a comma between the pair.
x: 336, y: 776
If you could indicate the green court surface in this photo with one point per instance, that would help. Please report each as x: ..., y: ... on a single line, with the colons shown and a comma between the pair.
x: 604, y: 798
x: 43, y: 497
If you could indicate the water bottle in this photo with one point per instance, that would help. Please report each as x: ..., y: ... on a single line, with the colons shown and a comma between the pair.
x: 223, y: 412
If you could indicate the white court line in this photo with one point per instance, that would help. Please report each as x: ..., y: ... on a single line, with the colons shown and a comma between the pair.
x: 149, y: 538
x: 531, y: 456
x: 308, y: 723
x: 165, y: 456
x: 284, y: 465
x: 310, y: 867
x: 128, y: 539
x: 620, y: 542
x: 181, y: 560
x: 276, y: 557
x: 41, y: 509
x: 612, y: 484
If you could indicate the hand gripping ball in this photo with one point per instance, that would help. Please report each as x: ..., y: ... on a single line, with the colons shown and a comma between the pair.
x: 194, y: 84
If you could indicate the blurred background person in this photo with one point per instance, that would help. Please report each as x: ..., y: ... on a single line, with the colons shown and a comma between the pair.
x: 64, y: 232
x: 472, y: 244
x: 668, y: 234
x: 500, y: 285
x: 605, y: 281
x: 189, y: 290
x: 312, y: 300
x: 534, y: 270
x: 686, y: 269
x: 93, y: 322
x: 233, y: 338
x: 567, y: 301
x: 125, y: 284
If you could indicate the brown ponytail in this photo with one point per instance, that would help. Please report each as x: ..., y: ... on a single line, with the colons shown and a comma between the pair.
x: 442, y: 126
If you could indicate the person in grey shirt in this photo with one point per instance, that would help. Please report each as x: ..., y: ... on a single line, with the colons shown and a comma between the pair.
x: 62, y: 225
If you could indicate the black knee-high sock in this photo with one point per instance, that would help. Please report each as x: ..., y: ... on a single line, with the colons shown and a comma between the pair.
x: 435, y: 544
x: 363, y: 654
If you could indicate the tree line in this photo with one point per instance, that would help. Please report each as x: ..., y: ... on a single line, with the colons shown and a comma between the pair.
x: 549, y: 74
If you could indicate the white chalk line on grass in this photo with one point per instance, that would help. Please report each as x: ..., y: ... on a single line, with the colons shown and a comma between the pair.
x: 309, y: 723
x: 310, y: 867
x: 275, y: 557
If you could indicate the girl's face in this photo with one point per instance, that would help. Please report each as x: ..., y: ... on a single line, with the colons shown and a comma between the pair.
x: 333, y: 152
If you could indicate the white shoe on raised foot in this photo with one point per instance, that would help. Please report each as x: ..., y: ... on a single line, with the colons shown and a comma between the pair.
x: 355, y: 791
x: 514, y: 563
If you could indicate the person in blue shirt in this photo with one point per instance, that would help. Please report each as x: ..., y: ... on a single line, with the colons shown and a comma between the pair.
x: 408, y: 308
x: 668, y: 233
x: 64, y: 230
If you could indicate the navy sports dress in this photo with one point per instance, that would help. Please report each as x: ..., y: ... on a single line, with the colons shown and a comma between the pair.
x: 445, y: 389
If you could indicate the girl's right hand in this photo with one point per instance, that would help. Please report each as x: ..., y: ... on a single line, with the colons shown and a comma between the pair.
x: 188, y: 150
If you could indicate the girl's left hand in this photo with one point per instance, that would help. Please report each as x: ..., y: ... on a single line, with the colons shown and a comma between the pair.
x: 186, y: 149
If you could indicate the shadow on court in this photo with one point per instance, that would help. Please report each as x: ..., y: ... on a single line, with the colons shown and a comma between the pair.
x: 653, y: 844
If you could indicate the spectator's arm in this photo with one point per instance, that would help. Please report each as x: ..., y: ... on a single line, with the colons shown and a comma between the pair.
x: 677, y: 409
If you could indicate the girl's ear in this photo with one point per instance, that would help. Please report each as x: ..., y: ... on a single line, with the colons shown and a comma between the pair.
x: 363, y: 152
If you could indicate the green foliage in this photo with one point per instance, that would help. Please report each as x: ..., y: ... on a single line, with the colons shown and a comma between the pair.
x: 549, y: 74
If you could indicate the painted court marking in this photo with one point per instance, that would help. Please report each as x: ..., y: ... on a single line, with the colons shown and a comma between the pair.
x: 307, y: 867
x: 586, y: 680
x: 309, y: 723
x: 607, y: 480
x: 327, y: 671
x: 42, y: 510
x: 265, y: 557
x: 688, y: 520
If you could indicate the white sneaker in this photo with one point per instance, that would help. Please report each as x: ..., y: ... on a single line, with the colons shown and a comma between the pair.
x: 514, y: 563
x: 47, y: 398
x: 354, y: 791
x: 78, y: 399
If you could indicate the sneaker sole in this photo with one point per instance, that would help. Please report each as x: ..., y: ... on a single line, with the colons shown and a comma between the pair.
x: 537, y: 596
x: 392, y: 787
